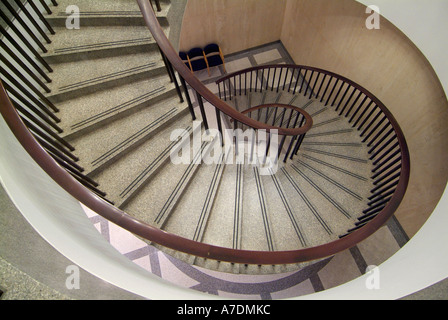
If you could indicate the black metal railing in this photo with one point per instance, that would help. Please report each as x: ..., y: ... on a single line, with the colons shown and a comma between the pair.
x: 378, y: 129
x: 25, y: 76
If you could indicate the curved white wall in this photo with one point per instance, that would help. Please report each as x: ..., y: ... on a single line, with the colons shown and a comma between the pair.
x: 424, y: 260
x: 421, y: 263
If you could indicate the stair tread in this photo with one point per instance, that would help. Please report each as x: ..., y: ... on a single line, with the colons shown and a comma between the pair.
x: 256, y: 227
x: 191, y: 215
x: 75, y: 76
x: 90, y: 109
x: 90, y: 39
x: 219, y: 230
x: 101, y: 8
x: 131, y: 172
x: 154, y: 203
x: 107, y: 142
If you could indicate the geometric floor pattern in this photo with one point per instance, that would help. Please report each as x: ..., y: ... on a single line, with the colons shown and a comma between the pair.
x: 334, y: 271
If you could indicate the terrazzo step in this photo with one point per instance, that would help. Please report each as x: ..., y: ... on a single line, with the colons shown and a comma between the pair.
x: 107, y: 143
x: 74, y: 79
x: 256, y: 227
x: 128, y: 175
x: 318, y: 229
x: 103, y: 13
x: 263, y: 222
x: 70, y: 45
x: 190, y: 171
x: 156, y: 202
x: 194, y: 209
x: 347, y: 193
x: 341, y: 198
x: 287, y: 225
x: 82, y: 115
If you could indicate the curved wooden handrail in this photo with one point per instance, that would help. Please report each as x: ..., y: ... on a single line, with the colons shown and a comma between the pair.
x: 146, y: 231
x: 142, y: 229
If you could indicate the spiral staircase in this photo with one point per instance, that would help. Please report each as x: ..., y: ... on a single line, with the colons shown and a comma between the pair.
x: 104, y: 100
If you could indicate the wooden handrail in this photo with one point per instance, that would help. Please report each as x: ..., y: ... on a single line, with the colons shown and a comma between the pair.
x: 146, y: 231
x: 171, y: 54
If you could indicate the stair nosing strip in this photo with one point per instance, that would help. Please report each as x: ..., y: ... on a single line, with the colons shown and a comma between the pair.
x: 315, y: 125
x: 289, y: 210
x: 237, y: 215
x: 323, y: 193
x: 133, y: 137
x: 75, y: 49
x: 105, y: 77
x: 264, y: 210
x: 152, y: 165
x: 332, y: 181
x: 117, y: 108
x: 336, y: 168
x: 114, y: 13
x: 336, y: 155
x: 333, y: 144
x: 206, y: 208
x: 307, y: 202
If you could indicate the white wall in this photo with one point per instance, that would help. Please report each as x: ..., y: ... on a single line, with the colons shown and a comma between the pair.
x: 423, y: 261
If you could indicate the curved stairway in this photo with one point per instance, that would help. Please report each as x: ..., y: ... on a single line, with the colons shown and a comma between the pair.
x: 119, y: 109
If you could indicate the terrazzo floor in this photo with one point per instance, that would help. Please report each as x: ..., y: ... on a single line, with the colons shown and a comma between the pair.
x: 326, y: 274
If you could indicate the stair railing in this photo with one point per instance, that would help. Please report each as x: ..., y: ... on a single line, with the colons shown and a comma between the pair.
x: 376, y: 126
x: 29, y: 115
x: 24, y: 76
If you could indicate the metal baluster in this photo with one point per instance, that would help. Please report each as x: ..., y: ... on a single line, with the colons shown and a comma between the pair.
x: 337, y: 94
x: 24, y: 26
x: 24, y: 40
x: 308, y: 83
x: 46, y: 8
x: 41, y: 17
x: 303, y: 80
x: 22, y: 65
x: 218, y: 120
x: 332, y: 91
x: 201, y: 107
x: 187, y: 96
x: 32, y: 20
x: 26, y: 56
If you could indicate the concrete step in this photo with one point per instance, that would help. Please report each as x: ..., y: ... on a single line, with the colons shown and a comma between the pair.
x: 83, y: 114
x: 102, y: 13
x: 74, y: 79
x: 125, y: 177
x: 70, y: 45
x: 107, y: 143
